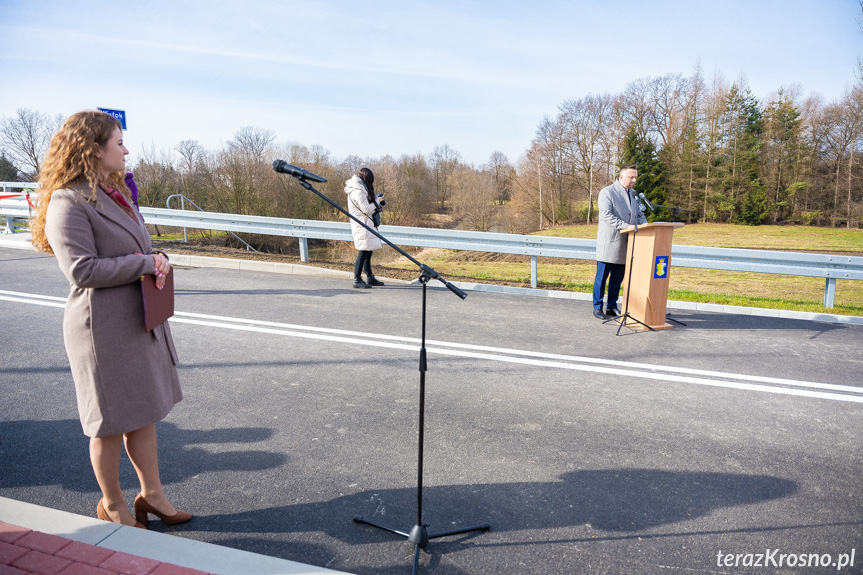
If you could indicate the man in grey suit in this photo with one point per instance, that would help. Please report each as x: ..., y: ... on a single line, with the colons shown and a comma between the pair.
x: 618, y: 210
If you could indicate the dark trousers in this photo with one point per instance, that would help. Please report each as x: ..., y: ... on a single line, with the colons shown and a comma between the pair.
x: 363, y: 264
x: 613, y: 273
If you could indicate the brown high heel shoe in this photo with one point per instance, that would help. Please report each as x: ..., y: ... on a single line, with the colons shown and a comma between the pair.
x: 103, y: 515
x: 142, y: 508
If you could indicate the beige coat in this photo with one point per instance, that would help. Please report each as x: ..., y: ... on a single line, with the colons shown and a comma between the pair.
x: 125, y: 378
x: 360, y: 207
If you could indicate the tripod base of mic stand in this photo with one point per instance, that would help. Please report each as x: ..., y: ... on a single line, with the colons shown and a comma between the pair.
x: 419, y: 534
x: 622, y: 319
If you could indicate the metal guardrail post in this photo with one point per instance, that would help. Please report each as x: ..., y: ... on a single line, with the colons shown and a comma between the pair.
x: 533, y: 271
x: 829, y: 292
x: 10, y: 221
x: 183, y: 207
x: 304, y: 250
x: 183, y: 200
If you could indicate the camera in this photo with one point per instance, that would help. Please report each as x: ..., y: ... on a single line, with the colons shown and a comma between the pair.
x: 382, y: 202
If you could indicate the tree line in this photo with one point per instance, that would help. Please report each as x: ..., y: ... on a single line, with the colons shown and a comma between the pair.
x: 708, y: 146
x: 704, y: 145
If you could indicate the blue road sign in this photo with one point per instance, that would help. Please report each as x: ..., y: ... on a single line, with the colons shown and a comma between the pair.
x: 119, y: 114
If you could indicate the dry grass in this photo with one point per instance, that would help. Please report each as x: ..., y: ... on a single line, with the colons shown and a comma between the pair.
x: 786, y: 238
x: 686, y: 284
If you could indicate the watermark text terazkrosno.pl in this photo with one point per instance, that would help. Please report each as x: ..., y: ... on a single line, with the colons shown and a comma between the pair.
x: 776, y: 558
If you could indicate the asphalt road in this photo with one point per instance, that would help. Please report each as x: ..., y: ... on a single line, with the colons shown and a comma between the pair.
x: 681, y: 451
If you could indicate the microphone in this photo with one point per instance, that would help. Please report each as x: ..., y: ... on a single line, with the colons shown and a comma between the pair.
x: 643, y: 200
x: 283, y: 167
x: 633, y: 211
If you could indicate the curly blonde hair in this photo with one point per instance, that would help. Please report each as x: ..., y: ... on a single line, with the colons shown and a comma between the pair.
x: 70, y: 160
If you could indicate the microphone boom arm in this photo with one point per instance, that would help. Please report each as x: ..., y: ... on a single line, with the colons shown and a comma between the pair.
x: 674, y: 210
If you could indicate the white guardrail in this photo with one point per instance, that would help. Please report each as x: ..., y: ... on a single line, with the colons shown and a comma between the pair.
x: 828, y: 266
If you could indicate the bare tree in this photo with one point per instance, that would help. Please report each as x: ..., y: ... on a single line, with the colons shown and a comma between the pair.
x: 191, y: 155
x: 854, y: 103
x: 503, y: 173
x: 24, y: 139
x: 667, y: 95
x: 525, y: 209
x: 473, y: 198
x: 155, y: 177
x: 553, y: 164
x: 693, y: 112
x: 353, y: 164
x: 585, y: 121
x: 408, y: 185
x: 860, y: 25
x: 252, y: 141
x: 320, y: 156
x: 844, y: 123
x: 444, y: 160
x: 714, y: 109
x: 297, y: 154
x: 190, y: 151
x: 611, y: 141
x: 639, y: 109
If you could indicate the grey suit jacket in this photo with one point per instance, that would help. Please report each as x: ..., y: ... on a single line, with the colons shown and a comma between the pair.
x: 614, y: 215
x: 125, y: 378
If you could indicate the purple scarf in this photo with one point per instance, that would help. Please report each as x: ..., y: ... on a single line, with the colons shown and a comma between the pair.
x: 130, y: 181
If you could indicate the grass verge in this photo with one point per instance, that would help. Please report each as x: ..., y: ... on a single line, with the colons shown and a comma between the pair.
x: 745, y: 289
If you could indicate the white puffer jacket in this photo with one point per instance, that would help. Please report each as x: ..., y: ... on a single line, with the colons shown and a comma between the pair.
x: 360, y: 207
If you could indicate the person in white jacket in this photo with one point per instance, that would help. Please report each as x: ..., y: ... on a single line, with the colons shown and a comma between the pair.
x: 363, y: 204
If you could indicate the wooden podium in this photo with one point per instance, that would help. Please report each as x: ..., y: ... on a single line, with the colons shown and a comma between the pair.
x: 648, y: 290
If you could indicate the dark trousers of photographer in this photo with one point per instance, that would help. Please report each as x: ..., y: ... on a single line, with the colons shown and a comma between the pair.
x: 363, y: 264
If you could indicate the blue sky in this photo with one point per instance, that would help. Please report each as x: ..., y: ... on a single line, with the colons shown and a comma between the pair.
x: 400, y: 77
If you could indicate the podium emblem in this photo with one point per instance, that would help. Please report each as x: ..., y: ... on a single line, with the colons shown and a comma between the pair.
x: 660, y: 269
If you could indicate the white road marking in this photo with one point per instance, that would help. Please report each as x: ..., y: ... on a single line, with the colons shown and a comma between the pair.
x: 515, y: 356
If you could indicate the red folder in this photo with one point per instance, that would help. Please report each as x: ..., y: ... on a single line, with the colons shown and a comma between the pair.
x: 158, y: 303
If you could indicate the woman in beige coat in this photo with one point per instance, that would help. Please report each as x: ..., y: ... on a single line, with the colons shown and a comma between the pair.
x: 363, y: 204
x: 125, y: 377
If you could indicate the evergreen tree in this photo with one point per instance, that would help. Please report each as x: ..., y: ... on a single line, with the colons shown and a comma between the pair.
x: 642, y: 152
x: 755, y: 207
x: 744, y: 130
x: 8, y: 171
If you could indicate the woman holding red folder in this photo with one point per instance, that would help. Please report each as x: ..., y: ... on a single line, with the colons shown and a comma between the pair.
x: 125, y: 377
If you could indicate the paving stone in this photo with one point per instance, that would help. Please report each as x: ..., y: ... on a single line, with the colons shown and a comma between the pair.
x: 10, y: 533
x: 84, y: 553
x: 37, y: 541
x: 41, y: 563
x: 11, y: 553
x: 129, y: 564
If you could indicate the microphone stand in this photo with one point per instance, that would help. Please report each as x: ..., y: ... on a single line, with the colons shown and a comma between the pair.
x: 418, y: 535
x: 633, y: 220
